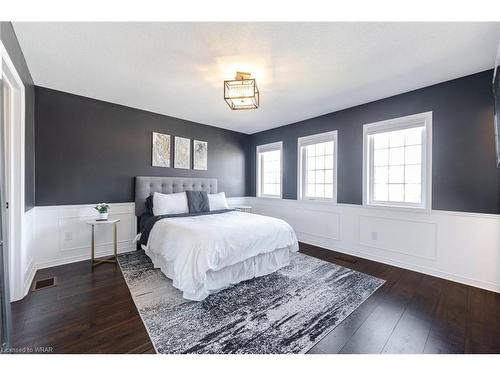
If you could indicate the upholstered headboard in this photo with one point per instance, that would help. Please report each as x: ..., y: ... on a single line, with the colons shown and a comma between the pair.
x: 145, y: 186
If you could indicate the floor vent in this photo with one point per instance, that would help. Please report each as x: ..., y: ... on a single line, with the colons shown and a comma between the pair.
x: 44, y: 283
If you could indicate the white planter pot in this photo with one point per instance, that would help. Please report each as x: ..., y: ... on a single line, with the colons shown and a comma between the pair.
x: 103, y: 216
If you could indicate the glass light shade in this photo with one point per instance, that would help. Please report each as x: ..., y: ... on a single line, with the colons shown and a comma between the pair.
x: 241, y: 94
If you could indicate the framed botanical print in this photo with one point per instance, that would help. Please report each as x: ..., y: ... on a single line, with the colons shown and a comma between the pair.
x: 182, y: 153
x: 161, y: 150
x: 200, y: 155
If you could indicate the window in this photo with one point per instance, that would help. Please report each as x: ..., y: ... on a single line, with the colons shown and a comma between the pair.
x: 317, y: 174
x: 397, y: 156
x: 269, y: 170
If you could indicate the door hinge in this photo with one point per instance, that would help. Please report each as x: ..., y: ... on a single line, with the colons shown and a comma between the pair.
x: 7, y: 205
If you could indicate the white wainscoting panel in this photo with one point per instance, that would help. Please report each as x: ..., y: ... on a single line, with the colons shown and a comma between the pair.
x: 414, y: 238
x: 63, y: 236
x: 463, y: 247
x: 306, y: 223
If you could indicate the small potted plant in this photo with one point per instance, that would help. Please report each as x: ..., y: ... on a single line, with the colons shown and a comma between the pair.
x: 103, y: 209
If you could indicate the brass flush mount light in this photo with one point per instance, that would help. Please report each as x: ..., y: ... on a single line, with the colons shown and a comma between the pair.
x: 241, y: 92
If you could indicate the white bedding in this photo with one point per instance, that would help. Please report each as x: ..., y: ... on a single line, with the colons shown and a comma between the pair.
x: 190, y: 250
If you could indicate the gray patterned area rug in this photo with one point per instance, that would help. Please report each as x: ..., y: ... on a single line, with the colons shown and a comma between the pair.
x: 288, y: 311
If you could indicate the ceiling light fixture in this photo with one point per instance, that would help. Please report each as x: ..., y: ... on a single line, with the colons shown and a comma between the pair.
x: 241, y: 92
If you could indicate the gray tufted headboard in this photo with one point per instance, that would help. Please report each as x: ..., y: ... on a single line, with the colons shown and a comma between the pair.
x: 145, y: 186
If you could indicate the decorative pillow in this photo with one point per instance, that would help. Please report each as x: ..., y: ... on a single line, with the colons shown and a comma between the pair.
x: 197, y: 201
x: 217, y: 201
x: 170, y: 204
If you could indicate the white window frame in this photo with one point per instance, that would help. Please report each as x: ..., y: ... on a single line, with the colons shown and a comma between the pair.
x: 264, y: 148
x: 426, y: 179
x: 313, y: 139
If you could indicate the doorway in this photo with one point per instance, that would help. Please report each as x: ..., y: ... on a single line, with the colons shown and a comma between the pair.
x: 12, y: 245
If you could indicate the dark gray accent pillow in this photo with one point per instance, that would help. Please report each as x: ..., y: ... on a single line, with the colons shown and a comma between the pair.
x: 197, y: 201
x: 149, y: 205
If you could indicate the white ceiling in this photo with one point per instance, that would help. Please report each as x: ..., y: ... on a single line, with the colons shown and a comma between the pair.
x: 302, y: 69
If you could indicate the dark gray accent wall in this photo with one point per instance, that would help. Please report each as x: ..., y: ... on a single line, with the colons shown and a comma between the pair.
x: 89, y: 151
x: 464, y: 174
x: 9, y: 40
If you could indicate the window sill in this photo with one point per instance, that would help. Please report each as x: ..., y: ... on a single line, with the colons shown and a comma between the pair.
x: 269, y: 197
x: 331, y: 202
x: 413, y: 209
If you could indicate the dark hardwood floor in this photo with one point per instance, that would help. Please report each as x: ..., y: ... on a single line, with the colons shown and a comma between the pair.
x: 88, y: 311
x: 91, y: 311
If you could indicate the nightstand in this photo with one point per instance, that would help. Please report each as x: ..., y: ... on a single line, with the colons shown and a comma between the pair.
x: 243, y: 208
x: 93, y: 224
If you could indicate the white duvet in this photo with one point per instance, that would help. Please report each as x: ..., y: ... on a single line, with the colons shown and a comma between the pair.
x: 187, y: 248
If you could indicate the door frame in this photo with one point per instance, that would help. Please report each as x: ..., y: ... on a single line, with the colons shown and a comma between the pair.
x: 16, y: 147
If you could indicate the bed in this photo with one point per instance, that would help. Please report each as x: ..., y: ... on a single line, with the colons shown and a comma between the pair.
x: 203, y: 254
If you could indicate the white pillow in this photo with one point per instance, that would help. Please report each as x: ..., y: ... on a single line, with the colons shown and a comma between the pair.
x: 170, y: 204
x: 217, y: 201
